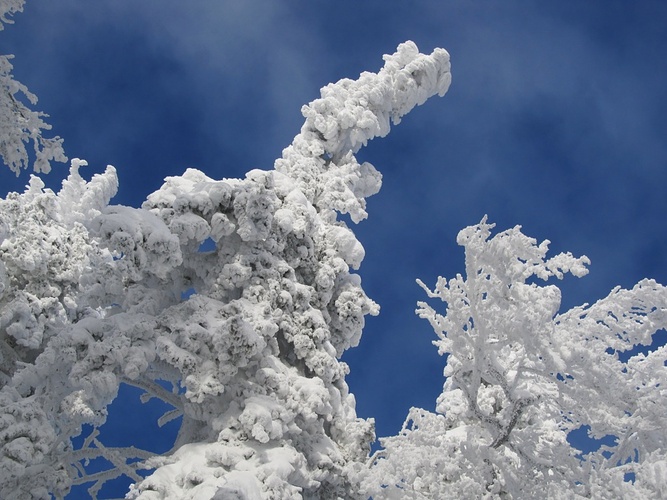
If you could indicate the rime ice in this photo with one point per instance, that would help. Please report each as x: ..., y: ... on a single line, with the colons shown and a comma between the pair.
x: 252, y: 330
x: 521, y: 377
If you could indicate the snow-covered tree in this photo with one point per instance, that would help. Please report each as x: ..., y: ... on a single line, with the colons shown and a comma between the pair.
x: 520, y: 377
x: 231, y: 300
x: 19, y: 125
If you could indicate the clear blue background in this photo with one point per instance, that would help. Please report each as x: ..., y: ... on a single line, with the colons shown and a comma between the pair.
x: 556, y: 120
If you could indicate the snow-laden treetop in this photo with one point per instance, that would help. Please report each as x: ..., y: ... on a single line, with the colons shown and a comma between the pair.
x: 242, y: 336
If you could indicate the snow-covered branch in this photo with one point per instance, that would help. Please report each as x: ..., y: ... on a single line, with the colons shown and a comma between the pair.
x: 95, y: 295
x: 19, y: 125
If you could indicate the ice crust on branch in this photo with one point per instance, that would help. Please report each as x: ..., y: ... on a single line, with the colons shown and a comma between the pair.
x: 520, y: 376
x: 249, y: 333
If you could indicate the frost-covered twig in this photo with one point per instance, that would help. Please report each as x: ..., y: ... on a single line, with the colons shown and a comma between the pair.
x: 118, y: 457
x: 19, y: 124
x: 155, y: 390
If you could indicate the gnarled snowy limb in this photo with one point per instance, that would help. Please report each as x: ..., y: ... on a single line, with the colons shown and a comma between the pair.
x: 348, y: 115
x: 279, y: 282
x: 250, y: 332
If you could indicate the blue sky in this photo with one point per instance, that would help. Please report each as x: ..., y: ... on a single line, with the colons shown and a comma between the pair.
x: 556, y: 120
